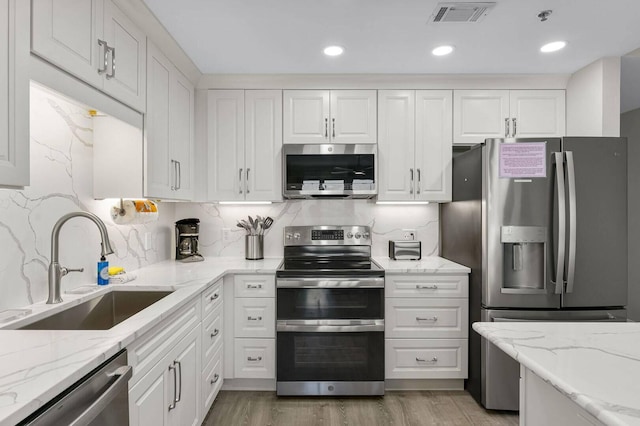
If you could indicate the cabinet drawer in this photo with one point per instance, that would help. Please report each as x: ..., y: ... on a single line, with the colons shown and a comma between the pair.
x: 255, y: 358
x: 211, y: 297
x: 426, y: 358
x: 212, y: 333
x: 255, y: 285
x: 148, y: 350
x: 426, y: 318
x: 211, y: 381
x: 255, y: 317
x: 417, y: 285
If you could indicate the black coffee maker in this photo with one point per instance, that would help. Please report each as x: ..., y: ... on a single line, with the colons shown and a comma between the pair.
x: 187, y: 232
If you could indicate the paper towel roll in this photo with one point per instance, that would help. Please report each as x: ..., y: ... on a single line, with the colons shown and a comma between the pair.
x: 131, y: 212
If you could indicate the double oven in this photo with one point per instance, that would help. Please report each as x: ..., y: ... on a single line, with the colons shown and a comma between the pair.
x: 330, y: 313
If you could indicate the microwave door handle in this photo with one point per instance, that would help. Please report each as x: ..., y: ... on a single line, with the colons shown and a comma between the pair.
x: 558, y: 161
x: 571, y: 256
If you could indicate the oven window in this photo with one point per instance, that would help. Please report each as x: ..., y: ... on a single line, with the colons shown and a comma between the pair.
x: 330, y: 356
x: 324, y: 303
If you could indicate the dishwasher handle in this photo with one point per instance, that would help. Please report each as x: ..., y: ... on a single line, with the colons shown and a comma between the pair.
x: 124, y: 374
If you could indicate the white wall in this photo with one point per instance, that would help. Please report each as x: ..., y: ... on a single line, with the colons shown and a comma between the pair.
x: 593, y: 99
x: 61, y: 182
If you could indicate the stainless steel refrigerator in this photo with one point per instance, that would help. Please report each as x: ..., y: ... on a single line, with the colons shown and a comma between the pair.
x: 542, y: 223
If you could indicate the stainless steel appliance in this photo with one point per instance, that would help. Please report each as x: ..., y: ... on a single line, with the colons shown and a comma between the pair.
x: 542, y: 223
x: 101, y: 398
x: 405, y: 250
x: 330, y: 313
x: 187, y: 234
x: 329, y: 171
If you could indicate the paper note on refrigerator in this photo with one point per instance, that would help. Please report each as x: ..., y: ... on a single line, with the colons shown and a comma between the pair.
x: 523, y: 160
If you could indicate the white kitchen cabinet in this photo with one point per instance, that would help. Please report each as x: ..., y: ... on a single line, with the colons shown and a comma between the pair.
x: 14, y: 93
x: 482, y: 114
x: 417, y: 318
x: 255, y: 317
x: 95, y: 41
x: 168, y: 130
x: 255, y: 358
x: 244, y: 141
x: 330, y: 116
x: 414, y: 146
x: 426, y: 358
x: 211, y: 382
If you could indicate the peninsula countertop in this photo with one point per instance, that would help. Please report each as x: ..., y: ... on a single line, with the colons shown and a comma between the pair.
x: 596, y: 365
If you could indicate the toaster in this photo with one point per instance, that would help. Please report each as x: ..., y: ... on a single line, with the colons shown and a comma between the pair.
x: 405, y: 250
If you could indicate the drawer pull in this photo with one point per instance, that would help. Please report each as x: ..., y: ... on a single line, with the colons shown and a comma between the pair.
x: 253, y: 287
x: 215, y: 333
x: 214, y: 297
x: 432, y: 319
x: 215, y: 379
x: 254, y: 318
x: 427, y: 287
x: 434, y: 359
x: 250, y: 359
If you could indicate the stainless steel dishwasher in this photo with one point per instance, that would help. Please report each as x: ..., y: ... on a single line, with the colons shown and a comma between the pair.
x: 99, y: 399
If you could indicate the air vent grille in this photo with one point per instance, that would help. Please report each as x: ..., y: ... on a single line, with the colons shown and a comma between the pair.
x: 461, y: 12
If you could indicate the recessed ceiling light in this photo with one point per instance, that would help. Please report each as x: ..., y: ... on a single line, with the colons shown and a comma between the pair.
x: 442, y: 50
x: 554, y: 46
x: 333, y: 50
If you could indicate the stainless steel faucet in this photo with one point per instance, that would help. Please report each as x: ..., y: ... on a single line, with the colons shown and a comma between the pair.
x: 56, y: 272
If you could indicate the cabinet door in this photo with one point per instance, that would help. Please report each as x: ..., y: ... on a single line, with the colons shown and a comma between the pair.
x: 181, y: 110
x: 434, y: 127
x: 148, y: 399
x: 159, y: 169
x: 66, y: 33
x: 353, y: 116
x: 254, y: 317
x: 186, y: 358
x: 263, y: 145
x: 14, y: 92
x: 225, y: 144
x: 480, y: 114
x: 126, y: 74
x: 396, y: 121
x: 255, y: 358
x: 306, y: 116
x: 537, y: 113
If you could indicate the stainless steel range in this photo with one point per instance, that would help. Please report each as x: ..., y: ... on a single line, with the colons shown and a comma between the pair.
x: 330, y: 313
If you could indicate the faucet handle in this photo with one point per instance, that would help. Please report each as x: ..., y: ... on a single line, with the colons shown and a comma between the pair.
x: 64, y: 271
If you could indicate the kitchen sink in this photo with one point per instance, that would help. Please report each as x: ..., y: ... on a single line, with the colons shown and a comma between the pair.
x: 99, y: 313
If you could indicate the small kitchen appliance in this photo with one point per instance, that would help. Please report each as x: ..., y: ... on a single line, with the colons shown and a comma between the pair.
x: 187, y: 234
x: 405, y: 250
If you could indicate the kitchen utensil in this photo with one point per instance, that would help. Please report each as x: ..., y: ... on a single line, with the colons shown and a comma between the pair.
x: 268, y: 221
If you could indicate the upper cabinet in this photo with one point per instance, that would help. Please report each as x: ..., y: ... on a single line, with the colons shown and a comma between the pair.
x: 482, y: 114
x: 14, y: 93
x: 95, y: 41
x: 244, y: 144
x: 330, y: 116
x: 414, y: 146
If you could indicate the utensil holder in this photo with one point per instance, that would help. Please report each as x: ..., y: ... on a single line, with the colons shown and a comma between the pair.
x: 254, y: 247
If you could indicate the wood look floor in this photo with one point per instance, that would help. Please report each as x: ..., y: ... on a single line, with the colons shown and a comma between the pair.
x: 395, y: 408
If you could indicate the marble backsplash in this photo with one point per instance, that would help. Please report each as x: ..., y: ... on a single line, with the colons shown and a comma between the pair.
x: 61, y: 182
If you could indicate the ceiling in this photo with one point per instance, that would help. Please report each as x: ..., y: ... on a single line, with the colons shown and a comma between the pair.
x: 394, y: 36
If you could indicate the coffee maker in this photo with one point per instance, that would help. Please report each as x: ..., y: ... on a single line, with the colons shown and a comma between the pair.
x: 187, y: 232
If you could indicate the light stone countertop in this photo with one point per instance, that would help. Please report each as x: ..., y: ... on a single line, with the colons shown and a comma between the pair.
x: 428, y: 265
x: 596, y: 365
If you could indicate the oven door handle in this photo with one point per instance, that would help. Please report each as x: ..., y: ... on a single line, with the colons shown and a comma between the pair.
x: 329, y: 326
x: 332, y: 282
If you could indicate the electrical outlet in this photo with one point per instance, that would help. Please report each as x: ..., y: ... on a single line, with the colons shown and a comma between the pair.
x: 226, y: 235
x: 409, y: 234
x: 148, y: 241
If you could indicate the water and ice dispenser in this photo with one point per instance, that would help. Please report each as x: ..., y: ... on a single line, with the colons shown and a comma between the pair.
x: 523, y: 258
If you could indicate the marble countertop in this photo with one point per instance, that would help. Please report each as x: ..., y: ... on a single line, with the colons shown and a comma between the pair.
x: 429, y: 265
x: 597, y: 365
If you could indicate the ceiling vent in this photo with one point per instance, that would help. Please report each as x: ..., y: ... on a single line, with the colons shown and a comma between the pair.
x: 461, y: 12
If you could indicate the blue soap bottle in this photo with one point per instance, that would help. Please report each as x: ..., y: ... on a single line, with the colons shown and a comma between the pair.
x: 103, y: 271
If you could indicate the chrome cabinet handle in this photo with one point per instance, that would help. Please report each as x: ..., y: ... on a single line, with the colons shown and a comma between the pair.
x: 434, y: 359
x: 102, y: 43
x: 215, y: 379
x: 515, y: 126
x: 411, y: 182
x: 173, y: 179
x: 251, y: 286
x: 215, y: 333
x: 251, y: 359
x: 254, y: 318
x: 178, y: 175
x: 113, y: 62
x: 506, y: 127
x: 427, y: 287
x: 214, y: 297
x: 419, y: 179
x: 240, y: 180
x: 326, y: 128
x: 247, y: 181
x: 179, y: 364
x: 432, y: 319
x: 333, y: 128
x: 175, y: 387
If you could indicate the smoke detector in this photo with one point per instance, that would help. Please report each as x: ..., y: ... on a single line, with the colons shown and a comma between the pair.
x: 461, y: 12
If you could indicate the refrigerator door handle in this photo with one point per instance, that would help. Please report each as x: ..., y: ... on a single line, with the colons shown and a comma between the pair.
x: 571, y: 256
x: 558, y: 160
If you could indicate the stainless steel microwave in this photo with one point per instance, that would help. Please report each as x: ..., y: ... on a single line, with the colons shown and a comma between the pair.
x: 329, y: 171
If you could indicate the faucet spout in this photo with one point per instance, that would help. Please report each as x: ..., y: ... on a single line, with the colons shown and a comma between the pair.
x: 56, y: 272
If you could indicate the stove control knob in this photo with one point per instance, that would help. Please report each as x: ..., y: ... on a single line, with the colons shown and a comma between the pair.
x: 288, y: 236
x: 296, y: 236
x: 365, y: 235
x: 358, y: 235
x: 349, y: 235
